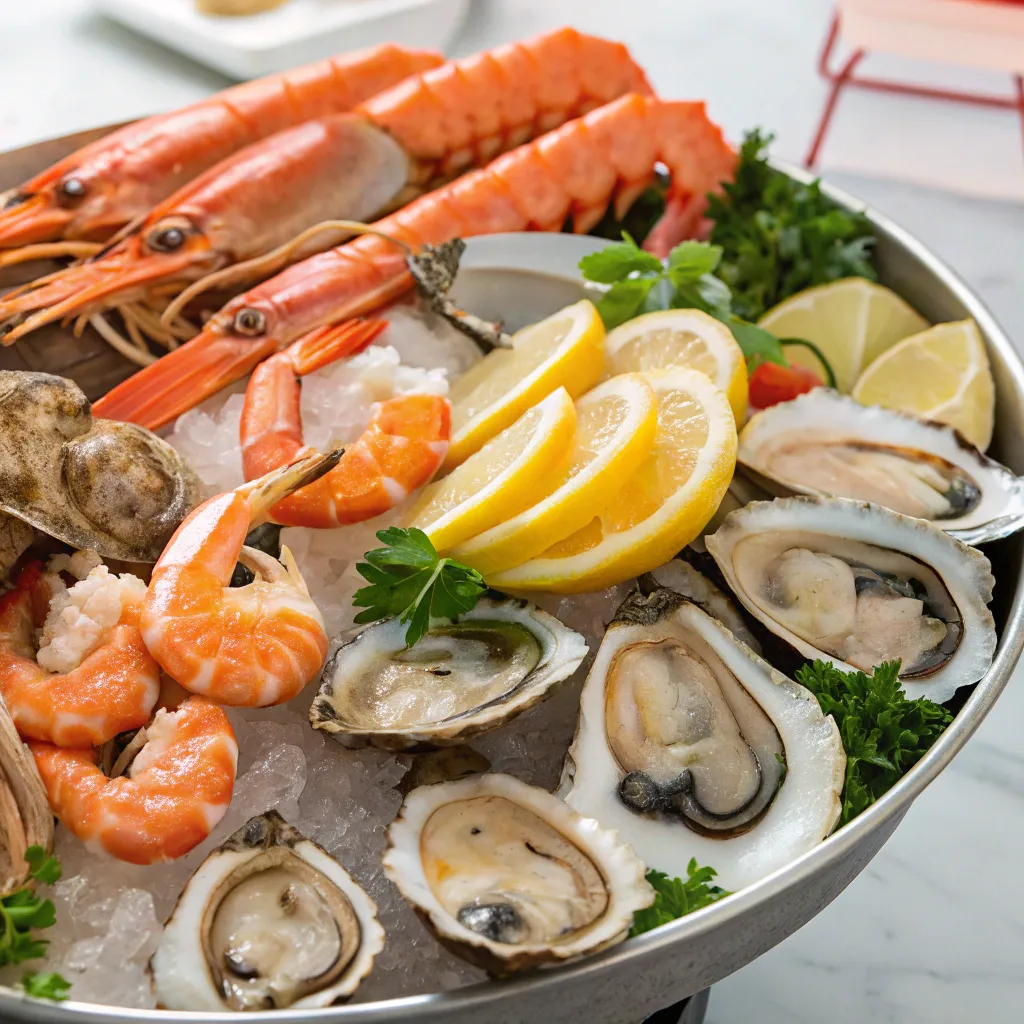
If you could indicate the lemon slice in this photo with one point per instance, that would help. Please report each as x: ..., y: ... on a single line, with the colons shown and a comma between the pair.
x: 852, y: 321
x: 941, y: 374
x: 510, y: 473
x: 615, y: 427
x: 565, y: 350
x: 665, y: 504
x: 681, y: 337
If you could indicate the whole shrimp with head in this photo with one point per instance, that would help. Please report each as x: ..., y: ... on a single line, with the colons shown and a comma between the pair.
x: 92, y: 677
x: 576, y: 172
x: 290, y: 194
x: 401, y: 449
x: 249, y: 646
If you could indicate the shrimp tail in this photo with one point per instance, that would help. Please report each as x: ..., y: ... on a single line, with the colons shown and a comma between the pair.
x: 266, y: 491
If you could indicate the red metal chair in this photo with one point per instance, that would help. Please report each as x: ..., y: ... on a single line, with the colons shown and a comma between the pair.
x: 976, y: 33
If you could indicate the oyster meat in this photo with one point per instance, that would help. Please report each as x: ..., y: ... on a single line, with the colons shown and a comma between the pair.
x: 825, y: 443
x: 857, y: 585
x: 113, y: 487
x: 508, y: 877
x: 460, y: 679
x: 693, y: 746
x: 268, y: 921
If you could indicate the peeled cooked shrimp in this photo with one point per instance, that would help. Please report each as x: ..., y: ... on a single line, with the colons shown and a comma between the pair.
x: 248, y: 646
x: 399, y: 451
x: 177, y: 789
x: 113, y: 690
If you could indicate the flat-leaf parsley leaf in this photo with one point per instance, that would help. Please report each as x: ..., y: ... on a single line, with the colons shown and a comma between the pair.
x: 410, y: 582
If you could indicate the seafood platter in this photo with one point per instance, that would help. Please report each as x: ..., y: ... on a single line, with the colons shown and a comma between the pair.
x: 476, y: 545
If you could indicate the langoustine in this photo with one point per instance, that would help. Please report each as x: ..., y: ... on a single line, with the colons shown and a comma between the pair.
x: 112, y: 689
x: 288, y: 195
x: 401, y: 449
x: 577, y: 171
x: 177, y: 788
x: 250, y: 646
x: 99, y: 189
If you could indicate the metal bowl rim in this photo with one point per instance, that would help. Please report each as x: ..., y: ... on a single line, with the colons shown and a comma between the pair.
x: 690, y: 928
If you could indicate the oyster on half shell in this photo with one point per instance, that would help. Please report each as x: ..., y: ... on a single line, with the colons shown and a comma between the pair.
x: 857, y: 584
x: 692, y: 746
x: 113, y: 487
x: 459, y: 679
x: 508, y: 877
x: 825, y: 443
x: 269, y: 920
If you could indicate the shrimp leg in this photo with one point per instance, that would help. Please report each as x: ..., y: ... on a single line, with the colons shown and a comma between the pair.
x: 249, y: 646
x: 575, y: 172
x: 178, y: 788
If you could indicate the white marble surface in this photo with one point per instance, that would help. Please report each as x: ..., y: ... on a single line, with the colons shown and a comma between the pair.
x: 933, y: 931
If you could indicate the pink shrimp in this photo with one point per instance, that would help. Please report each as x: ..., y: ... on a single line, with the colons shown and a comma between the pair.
x: 178, y: 787
x: 605, y: 158
x: 400, y: 450
x: 113, y: 690
x: 250, y: 646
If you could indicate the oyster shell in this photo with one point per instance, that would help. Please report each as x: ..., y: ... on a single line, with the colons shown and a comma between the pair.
x: 857, y: 584
x: 101, y: 484
x: 269, y: 920
x: 25, y: 817
x: 693, y: 746
x: 692, y: 584
x: 825, y: 443
x: 508, y: 877
x: 460, y: 679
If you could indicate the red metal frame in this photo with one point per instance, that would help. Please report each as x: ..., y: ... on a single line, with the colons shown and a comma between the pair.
x: 843, y: 76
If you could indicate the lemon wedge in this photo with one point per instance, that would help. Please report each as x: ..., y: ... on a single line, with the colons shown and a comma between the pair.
x: 852, y: 321
x: 565, y: 350
x: 665, y: 504
x: 940, y: 374
x: 615, y: 427
x: 681, y: 337
x: 510, y: 473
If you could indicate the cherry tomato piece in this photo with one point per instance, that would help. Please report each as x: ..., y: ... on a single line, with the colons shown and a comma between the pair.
x: 771, y: 384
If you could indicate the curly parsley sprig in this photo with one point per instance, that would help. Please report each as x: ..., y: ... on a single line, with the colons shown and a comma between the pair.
x: 884, y: 734
x: 677, y: 897
x: 410, y: 582
x: 20, y: 913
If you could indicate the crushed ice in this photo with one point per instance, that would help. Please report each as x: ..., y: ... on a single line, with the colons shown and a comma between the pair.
x: 110, y: 914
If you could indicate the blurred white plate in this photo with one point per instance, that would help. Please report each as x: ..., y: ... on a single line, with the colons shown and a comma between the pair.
x: 296, y: 33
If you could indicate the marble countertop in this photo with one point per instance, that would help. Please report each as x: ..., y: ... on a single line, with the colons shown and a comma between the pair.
x: 933, y: 931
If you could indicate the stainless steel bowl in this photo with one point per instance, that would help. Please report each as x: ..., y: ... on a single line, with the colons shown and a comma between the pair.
x: 662, y: 967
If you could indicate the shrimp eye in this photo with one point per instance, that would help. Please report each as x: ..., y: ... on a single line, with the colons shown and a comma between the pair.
x: 71, y: 190
x: 166, y: 239
x: 249, y: 322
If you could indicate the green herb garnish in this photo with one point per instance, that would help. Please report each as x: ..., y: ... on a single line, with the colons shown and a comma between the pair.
x: 47, y: 985
x: 883, y: 732
x: 20, y: 913
x: 779, y: 236
x: 640, y: 282
x: 408, y: 581
x: 676, y: 898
